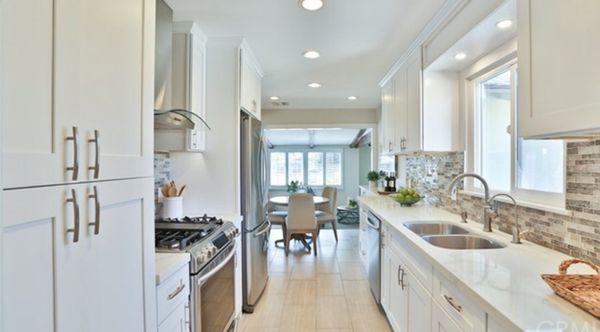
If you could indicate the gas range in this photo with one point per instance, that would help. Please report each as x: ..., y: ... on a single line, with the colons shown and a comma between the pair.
x: 203, y: 238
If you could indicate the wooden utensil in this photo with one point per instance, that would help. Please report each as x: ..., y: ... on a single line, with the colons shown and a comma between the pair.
x: 172, y: 191
x: 182, y: 190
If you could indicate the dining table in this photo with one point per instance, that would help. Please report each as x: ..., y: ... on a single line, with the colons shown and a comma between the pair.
x: 285, y: 201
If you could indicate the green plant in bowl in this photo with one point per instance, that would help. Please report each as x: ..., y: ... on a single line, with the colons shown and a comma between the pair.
x: 406, y: 196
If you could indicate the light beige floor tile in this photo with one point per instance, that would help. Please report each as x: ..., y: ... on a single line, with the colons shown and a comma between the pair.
x: 334, y: 330
x: 327, y: 266
x: 277, y: 285
x: 329, y: 284
x: 298, y: 318
x: 332, y: 312
x: 267, y: 312
x: 358, y: 292
x: 368, y: 318
x: 301, y: 292
x: 347, y: 255
x: 352, y: 271
x: 304, y: 270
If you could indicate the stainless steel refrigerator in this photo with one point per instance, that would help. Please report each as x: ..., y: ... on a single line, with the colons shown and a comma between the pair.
x: 255, y: 226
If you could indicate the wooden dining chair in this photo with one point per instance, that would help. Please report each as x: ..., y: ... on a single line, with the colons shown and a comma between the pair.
x: 327, y: 211
x: 277, y: 217
x: 301, y: 220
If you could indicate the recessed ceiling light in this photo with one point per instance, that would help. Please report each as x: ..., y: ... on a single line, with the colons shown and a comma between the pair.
x: 311, y: 5
x: 274, y: 98
x: 352, y: 97
x: 504, y: 24
x: 460, y: 56
x: 311, y: 54
x: 314, y: 85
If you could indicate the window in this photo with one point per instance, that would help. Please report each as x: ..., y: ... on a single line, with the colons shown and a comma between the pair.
x: 313, y: 168
x: 333, y: 162
x: 296, y: 167
x: 278, y: 169
x: 531, y: 170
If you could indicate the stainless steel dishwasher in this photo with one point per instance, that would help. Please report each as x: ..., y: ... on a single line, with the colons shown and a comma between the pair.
x: 374, y: 252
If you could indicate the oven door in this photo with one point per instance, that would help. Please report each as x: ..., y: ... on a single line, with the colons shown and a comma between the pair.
x: 213, y: 294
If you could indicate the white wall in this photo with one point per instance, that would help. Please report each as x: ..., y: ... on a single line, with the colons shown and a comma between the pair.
x: 350, y: 169
x: 315, y: 117
x: 364, y: 164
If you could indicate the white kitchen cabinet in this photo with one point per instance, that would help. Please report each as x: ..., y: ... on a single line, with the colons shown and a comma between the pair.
x: 441, y: 322
x: 61, y: 70
x: 250, y: 82
x: 408, y: 303
x: 188, y: 89
x: 399, y: 113
x: 558, y: 69
x: 413, y: 139
x: 363, y: 238
x: 177, y: 321
x: 101, y: 282
x: 386, y: 120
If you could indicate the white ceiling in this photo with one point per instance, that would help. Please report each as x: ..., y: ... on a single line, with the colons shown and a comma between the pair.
x: 481, y: 40
x: 359, y: 40
x: 279, y: 137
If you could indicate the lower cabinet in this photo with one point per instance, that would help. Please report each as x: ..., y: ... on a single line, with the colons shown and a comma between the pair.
x: 177, y: 321
x: 441, y: 322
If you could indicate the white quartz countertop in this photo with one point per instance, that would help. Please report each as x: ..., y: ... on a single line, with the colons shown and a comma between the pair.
x: 169, y: 263
x: 506, y: 282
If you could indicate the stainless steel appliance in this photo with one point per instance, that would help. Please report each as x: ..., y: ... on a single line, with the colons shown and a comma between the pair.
x: 211, y: 244
x: 374, y: 252
x: 255, y: 225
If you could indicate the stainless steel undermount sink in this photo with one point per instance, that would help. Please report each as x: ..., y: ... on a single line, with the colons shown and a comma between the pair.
x: 463, y: 241
x: 434, y: 228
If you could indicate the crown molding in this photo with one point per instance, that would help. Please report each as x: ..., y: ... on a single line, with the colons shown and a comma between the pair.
x: 448, y: 10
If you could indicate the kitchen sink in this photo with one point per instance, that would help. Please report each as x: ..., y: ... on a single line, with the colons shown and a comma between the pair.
x: 462, y: 242
x: 434, y: 228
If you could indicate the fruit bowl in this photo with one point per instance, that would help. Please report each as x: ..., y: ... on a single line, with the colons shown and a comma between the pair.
x: 406, y: 197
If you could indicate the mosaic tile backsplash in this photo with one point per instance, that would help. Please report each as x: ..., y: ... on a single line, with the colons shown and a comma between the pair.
x: 162, y: 174
x: 577, y: 235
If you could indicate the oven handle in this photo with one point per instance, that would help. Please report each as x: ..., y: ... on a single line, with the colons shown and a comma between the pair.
x: 217, y: 268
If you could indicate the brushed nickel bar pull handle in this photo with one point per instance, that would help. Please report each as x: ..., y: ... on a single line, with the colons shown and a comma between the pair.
x: 96, y: 222
x: 402, y: 284
x: 75, y: 229
x: 176, y: 292
x: 454, y: 305
x: 96, y: 141
x: 75, y: 167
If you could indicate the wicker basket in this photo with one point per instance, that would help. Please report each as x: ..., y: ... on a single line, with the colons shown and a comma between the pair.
x: 581, y: 290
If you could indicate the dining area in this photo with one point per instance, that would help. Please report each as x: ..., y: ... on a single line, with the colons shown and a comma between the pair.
x: 302, y: 216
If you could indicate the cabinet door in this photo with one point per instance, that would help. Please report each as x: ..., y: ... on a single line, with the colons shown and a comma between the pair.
x: 121, y: 259
x: 399, y: 113
x: 387, y: 100
x: 34, y: 225
x: 419, y: 303
x: 250, y: 89
x: 398, y: 299
x: 177, y: 321
x: 33, y: 145
x: 559, y: 74
x: 103, y: 80
x: 441, y: 322
x: 414, y: 132
x: 385, y: 268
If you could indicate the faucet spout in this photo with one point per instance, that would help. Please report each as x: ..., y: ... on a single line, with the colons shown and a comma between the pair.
x: 488, y: 211
x: 516, y: 233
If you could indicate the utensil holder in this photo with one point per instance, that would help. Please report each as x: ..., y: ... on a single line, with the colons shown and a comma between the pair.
x: 172, y: 207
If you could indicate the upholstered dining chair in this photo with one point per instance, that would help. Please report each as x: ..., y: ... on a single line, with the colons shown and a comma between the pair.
x: 277, y: 217
x: 301, y: 220
x: 327, y: 211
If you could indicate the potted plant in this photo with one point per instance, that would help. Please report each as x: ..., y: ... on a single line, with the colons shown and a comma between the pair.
x: 293, y: 187
x: 373, y: 177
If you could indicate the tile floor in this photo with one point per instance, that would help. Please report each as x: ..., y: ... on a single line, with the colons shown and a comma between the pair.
x: 324, y: 293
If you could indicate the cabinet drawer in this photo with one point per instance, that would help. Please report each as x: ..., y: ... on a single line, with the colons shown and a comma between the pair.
x: 172, y: 293
x: 461, y: 309
x: 417, y: 263
x: 177, y: 321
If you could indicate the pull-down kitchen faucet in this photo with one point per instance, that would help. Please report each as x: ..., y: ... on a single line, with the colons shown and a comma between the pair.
x: 516, y: 233
x: 488, y: 210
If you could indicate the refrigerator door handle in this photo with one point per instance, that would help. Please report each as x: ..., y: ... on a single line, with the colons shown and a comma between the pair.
x: 264, y: 230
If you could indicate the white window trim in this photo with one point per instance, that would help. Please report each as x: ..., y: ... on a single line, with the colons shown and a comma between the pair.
x: 549, y: 201
x: 305, y: 151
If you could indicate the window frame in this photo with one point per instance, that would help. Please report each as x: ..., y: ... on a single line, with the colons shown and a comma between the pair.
x: 305, y: 152
x: 473, y: 142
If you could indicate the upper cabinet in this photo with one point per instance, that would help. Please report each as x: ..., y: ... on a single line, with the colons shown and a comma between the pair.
x: 250, y: 82
x: 75, y: 109
x: 420, y: 109
x: 559, y: 76
x: 187, y: 90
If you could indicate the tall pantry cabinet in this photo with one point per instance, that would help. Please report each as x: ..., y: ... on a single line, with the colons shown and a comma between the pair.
x: 76, y: 99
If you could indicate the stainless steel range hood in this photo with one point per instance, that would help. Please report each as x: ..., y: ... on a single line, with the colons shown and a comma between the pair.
x: 165, y: 116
